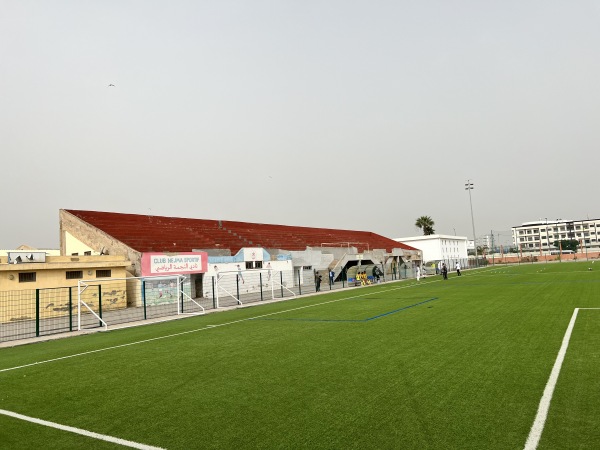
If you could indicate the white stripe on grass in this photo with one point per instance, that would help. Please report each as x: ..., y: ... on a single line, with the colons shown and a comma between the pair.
x: 85, y: 433
x: 210, y: 327
x: 540, y: 419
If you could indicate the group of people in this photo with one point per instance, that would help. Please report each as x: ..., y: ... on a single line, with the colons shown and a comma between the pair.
x: 319, y: 279
x: 362, y: 278
x: 441, y: 268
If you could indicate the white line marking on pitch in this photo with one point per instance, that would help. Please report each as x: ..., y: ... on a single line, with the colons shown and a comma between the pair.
x: 86, y: 433
x: 540, y: 419
x: 207, y: 327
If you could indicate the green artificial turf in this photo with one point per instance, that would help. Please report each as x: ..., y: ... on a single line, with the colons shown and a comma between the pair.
x: 458, y: 363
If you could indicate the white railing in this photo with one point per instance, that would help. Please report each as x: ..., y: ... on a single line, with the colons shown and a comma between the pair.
x: 181, y: 293
x: 81, y: 302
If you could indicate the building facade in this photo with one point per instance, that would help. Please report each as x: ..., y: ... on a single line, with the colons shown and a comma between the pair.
x: 439, y: 247
x: 542, y: 234
x: 35, y: 285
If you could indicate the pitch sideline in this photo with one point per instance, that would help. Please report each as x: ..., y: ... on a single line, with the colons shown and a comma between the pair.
x: 90, y: 434
x: 540, y: 419
x: 210, y: 327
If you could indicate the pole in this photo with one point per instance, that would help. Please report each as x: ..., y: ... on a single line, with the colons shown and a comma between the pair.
x: 547, y: 241
x: 37, y: 313
x: 261, y: 286
x: 144, y: 298
x: 469, y: 187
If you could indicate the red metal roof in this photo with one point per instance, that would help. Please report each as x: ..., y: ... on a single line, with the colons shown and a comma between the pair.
x: 163, y: 234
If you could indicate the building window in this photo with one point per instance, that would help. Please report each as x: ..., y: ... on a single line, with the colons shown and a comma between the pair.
x: 103, y: 273
x: 74, y: 274
x: 248, y: 264
x: 87, y: 253
x: 26, y: 277
x: 258, y: 264
x: 74, y: 254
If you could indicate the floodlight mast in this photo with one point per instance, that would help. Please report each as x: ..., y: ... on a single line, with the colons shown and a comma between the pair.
x: 469, y: 187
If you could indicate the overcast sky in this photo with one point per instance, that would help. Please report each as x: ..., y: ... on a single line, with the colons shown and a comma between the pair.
x: 360, y: 115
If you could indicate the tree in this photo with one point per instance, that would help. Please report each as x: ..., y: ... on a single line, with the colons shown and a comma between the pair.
x: 426, y: 224
x: 570, y: 244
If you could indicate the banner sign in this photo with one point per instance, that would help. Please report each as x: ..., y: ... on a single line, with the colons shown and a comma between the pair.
x: 154, y: 264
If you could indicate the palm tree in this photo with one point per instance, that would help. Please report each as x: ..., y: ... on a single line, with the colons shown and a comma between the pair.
x: 426, y: 224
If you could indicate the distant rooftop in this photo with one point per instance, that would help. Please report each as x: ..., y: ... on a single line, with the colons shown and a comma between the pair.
x: 552, y: 222
x: 431, y: 237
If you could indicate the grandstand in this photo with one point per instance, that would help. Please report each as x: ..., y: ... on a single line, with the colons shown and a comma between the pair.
x: 145, y: 233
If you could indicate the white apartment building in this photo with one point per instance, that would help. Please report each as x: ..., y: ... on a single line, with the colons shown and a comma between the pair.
x: 541, y: 234
x: 439, y: 247
x: 482, y: 241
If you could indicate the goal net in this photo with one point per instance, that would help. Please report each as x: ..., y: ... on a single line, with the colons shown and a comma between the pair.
x: 247, y: 286
x: 108, y: 301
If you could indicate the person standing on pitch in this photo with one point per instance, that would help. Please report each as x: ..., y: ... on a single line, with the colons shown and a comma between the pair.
x: 269, y: 272
x: 331, y: 277
x: 318, y: 279
x: 217, y: 274
x: 418, y: 273
x: 444, y: 271
x: 457, y: 268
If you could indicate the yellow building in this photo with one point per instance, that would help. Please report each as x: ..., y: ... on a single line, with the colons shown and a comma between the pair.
x: 33, y: 284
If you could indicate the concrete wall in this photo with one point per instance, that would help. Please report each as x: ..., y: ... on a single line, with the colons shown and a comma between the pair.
x: 82, y: 234
x: 536, y: 257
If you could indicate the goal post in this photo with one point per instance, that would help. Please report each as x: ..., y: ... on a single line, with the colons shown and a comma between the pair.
x: 246, y: 286
x: 103, y: 302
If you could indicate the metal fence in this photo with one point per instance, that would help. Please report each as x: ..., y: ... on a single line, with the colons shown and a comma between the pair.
x: 105, y: 302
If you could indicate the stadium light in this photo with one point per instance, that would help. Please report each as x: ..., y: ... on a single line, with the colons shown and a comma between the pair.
x: 469, y: 187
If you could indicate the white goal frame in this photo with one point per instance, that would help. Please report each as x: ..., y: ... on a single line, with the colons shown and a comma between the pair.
x: 225, y: 279
x: 82, y: 285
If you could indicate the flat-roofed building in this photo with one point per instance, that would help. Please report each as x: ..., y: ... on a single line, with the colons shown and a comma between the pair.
x: 24, y: 275
x: 439, y: 247
x: 541, y: 235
